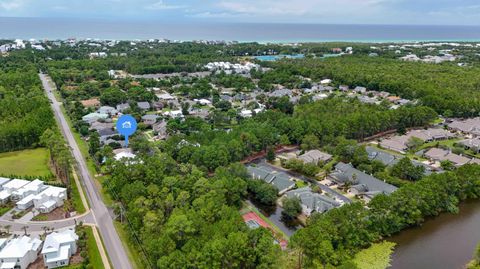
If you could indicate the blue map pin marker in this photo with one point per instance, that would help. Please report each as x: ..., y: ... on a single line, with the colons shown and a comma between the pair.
x: 126, y: 126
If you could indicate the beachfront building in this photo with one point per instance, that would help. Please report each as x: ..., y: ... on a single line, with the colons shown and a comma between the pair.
x: 58, y: 248
x: 18, y: 253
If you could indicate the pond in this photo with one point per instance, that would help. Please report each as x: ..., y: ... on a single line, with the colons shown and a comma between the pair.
x: 445, y: 242
x: 274, y: 214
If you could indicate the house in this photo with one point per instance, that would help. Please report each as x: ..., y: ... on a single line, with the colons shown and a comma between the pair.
x: 58, y: 248
x: 438, y: 154
x: 203, y: 102
x: 107, y: 110
x: 18, y: 253
x: 10, y: 187
x: 3, y: 181
x: 149, y: 119
x: 160, y: 128
x: 381, y: 156
x: 281, y: 93
x: 49, y: 199
x: 313, y: 202
x: 123, y: 153
x: 472, y: 144
x: 361, y: 184
x: 326, y: 81
x: 280, y: 180
x: 176, y: 114
x: 400, y: 143
x: 122, y: 107
x: 165, y: 96
x: 359, y: 89
x: 143, y: 105
x: 343, y: 88
x: 468, y: 126
x: 33, y: 187
x: 92, y: 117
x: 315, y: 156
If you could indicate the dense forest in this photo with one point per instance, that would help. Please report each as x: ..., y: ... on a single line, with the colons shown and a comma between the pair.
x: 326, y: 119
x: 24, y: 109
x: 450, y: 90
x: 188, y: 220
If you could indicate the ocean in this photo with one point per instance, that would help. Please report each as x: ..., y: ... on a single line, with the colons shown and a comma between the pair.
x: 49, y: 28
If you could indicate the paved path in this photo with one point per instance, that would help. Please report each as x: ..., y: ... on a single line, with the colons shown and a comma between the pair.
x: 101, y: 218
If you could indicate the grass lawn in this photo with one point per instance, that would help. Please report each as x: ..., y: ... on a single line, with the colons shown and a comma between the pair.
x: 29, y: 162
x: 75, y: 197
x: 133, y: 252
x: 93, y: 252
x: 5, y: 208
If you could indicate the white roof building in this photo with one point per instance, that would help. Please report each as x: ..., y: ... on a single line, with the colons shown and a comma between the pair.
x: 58, y: 248
x: 49, y: 199
x: 19, y: 252
x: 33, y: 187
x: 3, y: 181
x: 10, y: 187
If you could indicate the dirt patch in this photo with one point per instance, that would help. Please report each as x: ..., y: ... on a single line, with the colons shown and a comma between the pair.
x: 37, y: 264
x: 76, y: 258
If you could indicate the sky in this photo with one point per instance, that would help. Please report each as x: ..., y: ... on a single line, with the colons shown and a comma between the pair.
x: 416, y: 12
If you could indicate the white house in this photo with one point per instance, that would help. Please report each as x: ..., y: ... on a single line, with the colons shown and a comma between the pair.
x: 33, y: 187
x: 18, y: 253
x: 58, y: 248
x: 3, y: 181
x: 10, y: 187
x: 174, y: 114
x: 49, y: 199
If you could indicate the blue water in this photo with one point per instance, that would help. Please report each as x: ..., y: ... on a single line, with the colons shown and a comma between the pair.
x: 55, y: 28
x: 271, y: 58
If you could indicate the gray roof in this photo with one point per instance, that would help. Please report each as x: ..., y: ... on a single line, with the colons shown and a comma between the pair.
x: 313, y: 201
x: 143, y: 105
x: 278, y: 179
x: 150, y: 117
x: 314, y: 156
x: 382, y: 156
x: 344, y: 173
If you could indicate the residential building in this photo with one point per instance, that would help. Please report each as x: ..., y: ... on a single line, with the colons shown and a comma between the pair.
x: 143, y: 105
x: 122, y: 107
x: 472, y: 144
x: 149, y: 119
x: 360, y: 183
x: 92, y: 117
x: 315, y: 156
x: 18, y: 253
x: 313, y: 202
x: 94, y: 102
x: 111, y: 111
x: 468, y: 126
x: 58, y: 248
x: 10, y: 187
x: 49, y: 199
x: 438, y: 154
x: 281, y: 180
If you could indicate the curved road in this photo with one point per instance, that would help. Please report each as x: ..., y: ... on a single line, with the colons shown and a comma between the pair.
x: 99, y: 211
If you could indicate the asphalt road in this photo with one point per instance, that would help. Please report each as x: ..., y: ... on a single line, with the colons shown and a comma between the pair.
x: 101, y: 217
